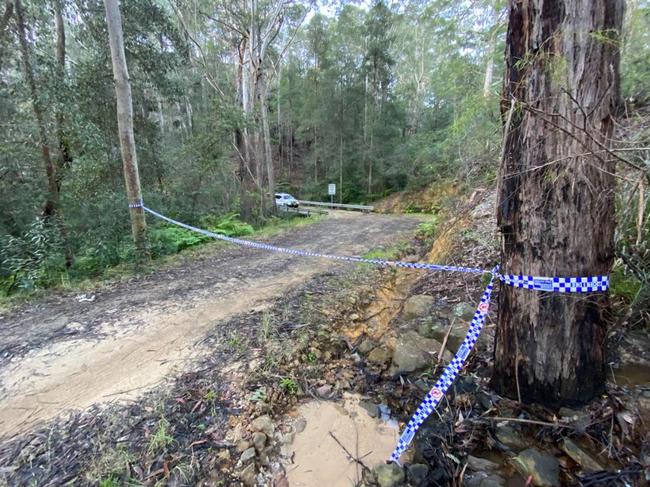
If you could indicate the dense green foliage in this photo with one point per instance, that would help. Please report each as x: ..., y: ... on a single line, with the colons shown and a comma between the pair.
x: 377, y: 99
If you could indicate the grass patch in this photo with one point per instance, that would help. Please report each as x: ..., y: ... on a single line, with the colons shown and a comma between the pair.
x: 111, y: 468
x: 160, y: 439
x: 392, y: 252
x: 289, y: 386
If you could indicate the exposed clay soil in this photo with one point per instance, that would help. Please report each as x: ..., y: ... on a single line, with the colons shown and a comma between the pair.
x: 64, y: 353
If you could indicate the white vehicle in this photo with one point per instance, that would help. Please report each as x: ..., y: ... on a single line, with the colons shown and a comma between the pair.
x: 285, y: 199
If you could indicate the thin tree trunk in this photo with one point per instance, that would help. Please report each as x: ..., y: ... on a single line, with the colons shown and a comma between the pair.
x: 64, y: 158
x: 189, y: 112
x: 341, y: 167
x: 370, y: 162
x: 125, y: 127
x: 489, y: 64
x: 557, y: 218
x: 161, y: 115
x: 4, y: 27
x: 268, y: 152
x: 51, y: 203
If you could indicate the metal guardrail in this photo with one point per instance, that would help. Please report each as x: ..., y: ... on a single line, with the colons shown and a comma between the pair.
x: 300, y: 211
x: 363, y: 208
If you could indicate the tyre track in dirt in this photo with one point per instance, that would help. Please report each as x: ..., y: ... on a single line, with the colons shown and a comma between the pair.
x: 60, y: 354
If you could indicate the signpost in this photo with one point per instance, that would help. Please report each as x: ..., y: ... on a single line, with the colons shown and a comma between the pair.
x: 331, y: 190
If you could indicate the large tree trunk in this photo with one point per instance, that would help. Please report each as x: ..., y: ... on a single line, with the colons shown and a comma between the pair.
x: 556, y: 196
x: 125, y: 127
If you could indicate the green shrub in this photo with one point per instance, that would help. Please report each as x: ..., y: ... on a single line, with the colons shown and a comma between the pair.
x: 624, y: 285
x: 228, y: 225
x: 428, y: 229
x: 32, y: 260
x: 171, y: 240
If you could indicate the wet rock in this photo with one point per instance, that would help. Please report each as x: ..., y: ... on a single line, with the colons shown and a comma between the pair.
x: 372, y: 408
x: 542, y: 467
x: 482, y: 479
x: 581, y: 457
x: 263, y: 424
x: 366, y: 346
x: 259, y: 440
x: 464, y: 310
x: 389, y: 475
x: 417, y: 306
x: 299, y: 425
x: 247, y: 475
x: 417, y: 473
x: 510, y: 436
x: 414, y: 352
x: 433, y: 327
x: 324, y: 391
x: 247, y: 456
x: 379, y: 355
x: 480, y: 464
x: 242, y: 445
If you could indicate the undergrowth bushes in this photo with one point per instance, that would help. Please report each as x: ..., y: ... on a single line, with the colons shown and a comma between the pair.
x: 35, y: 260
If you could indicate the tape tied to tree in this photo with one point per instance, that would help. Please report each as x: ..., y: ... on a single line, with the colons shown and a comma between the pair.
x: 535, y: 283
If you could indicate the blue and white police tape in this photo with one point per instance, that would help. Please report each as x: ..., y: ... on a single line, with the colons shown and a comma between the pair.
x: 447, y: 378
x: 263, y: 246
x: 550, y: 284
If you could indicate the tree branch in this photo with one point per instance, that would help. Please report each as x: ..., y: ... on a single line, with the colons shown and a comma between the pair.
x: 208, y: 76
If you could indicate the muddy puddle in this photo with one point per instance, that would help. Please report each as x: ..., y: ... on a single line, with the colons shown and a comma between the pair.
x: 630, y: 375
x: 331, y: 428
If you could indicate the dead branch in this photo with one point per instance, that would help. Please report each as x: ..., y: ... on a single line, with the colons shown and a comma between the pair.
x: 351, y: 457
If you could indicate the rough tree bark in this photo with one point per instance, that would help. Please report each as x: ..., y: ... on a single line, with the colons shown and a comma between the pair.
x: 125, y: 126
x: 556, y: 196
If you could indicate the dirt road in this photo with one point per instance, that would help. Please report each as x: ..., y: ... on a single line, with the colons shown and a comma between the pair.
x: 70, y: 351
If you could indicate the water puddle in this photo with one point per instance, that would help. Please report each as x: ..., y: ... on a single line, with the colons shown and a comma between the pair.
x: 332, y: 428
x: 630, y: 375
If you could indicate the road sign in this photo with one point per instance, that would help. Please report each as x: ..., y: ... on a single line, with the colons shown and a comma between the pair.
x: 331, y: 189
